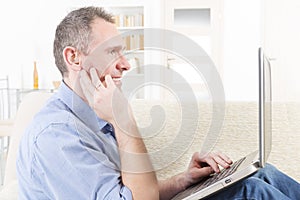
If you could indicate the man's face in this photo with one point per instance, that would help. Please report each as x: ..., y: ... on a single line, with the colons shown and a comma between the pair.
x: 106, y: 52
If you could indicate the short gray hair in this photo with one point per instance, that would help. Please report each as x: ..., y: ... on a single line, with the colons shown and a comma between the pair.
x: 75, y: 30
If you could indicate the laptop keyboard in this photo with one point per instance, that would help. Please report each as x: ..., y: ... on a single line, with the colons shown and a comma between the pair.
x: 224, y: 173
x: 210, y: 180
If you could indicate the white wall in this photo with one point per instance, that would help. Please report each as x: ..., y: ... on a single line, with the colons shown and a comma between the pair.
x: 28, y: 31
x: 282, y: 42
x: 242, y: 37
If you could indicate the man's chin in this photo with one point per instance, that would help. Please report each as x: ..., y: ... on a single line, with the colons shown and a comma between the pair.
x: 118, y: 84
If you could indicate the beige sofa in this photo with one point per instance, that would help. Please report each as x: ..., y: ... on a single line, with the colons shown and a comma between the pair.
x: 170, y: 151
x: 238, y: 136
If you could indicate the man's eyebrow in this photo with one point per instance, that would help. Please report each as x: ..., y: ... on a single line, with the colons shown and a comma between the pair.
x: 118, y: 47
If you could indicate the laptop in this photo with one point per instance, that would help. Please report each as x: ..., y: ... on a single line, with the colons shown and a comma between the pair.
x: 251, y: 163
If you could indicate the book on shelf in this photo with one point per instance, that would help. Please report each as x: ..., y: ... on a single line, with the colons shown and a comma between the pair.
x: 134, y: 42
x: 129, y: 20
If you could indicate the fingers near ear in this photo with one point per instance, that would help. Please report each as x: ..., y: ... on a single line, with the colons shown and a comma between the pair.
x: 94, y: 76
x: 85, y: 80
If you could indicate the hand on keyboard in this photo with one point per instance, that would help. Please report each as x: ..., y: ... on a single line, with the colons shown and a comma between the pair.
x: 202, y: 165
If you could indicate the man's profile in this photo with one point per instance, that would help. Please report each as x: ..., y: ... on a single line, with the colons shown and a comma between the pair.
x: 77, y: 148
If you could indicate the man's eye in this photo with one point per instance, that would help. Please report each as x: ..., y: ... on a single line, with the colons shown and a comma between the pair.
x: 123, y: 50
x: 113, y: 52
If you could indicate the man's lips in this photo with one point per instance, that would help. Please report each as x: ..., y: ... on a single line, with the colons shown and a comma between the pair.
x: 114, y: 78
x: 117, y: 78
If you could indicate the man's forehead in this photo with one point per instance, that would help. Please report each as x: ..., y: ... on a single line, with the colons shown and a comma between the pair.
x: 111, y: 43
x: 105, y: 34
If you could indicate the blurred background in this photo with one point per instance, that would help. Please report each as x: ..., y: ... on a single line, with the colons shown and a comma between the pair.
x: 229, y: 30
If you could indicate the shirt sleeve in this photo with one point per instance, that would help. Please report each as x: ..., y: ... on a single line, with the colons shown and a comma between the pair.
x: 70, y: 164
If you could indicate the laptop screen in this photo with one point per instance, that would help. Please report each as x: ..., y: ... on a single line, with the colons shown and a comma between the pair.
x: 265, y: 107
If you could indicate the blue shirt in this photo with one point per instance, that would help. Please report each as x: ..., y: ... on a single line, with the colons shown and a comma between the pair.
x: 64, y: 154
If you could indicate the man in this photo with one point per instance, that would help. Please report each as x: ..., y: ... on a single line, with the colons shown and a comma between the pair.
x: 84, y: 144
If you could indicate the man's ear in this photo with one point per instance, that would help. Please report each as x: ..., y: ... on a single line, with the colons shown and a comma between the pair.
x: 72, y: 58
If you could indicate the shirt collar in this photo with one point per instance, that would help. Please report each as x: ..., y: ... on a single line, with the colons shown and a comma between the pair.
x: 80, y: 108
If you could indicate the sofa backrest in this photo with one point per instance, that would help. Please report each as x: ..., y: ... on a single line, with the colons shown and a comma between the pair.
x: 29, y: 106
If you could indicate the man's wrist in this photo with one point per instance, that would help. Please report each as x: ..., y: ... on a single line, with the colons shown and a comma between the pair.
x: 183, y: 181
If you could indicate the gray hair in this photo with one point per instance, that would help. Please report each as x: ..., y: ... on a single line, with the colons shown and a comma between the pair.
x: 75, y: 30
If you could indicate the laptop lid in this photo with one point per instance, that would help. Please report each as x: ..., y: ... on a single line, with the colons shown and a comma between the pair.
x: 265, y: 140
x: 265, y: 108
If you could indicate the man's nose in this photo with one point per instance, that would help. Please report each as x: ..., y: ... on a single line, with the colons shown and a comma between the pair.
x: 123, y: 64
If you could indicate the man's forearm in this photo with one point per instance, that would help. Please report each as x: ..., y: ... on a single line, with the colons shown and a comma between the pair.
x: 136, y: 168
x: 170, y: 187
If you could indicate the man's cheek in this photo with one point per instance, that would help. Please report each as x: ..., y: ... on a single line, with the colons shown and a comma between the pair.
x: 103, y: 65
x: 88, y: 64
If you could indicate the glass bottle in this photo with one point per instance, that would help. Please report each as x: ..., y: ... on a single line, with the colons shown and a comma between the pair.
x: 35, y: 77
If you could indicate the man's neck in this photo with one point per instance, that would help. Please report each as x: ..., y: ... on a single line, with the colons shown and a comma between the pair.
x: 74, y: 86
